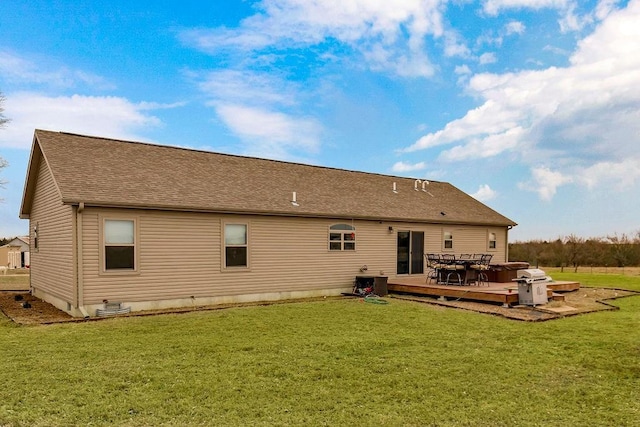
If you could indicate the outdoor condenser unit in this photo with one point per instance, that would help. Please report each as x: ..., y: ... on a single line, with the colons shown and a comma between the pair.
x: 532, y: 286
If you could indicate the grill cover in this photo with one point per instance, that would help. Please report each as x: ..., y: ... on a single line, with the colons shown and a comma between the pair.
x: 531, y: 273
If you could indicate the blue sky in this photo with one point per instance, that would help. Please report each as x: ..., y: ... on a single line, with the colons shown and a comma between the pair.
x: 531, y: 106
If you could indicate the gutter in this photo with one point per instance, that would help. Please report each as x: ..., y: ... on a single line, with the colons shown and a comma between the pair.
x: 78, y: 260
x: 336, y: 215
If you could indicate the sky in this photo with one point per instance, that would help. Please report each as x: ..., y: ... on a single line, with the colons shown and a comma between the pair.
x: 530, y: 106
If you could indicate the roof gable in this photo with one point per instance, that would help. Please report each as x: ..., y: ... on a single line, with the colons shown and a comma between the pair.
x: 106, y: 172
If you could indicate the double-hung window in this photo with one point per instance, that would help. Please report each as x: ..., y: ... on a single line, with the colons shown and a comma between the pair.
x: 119, y: 244
x: 236, y: 245
x: 492, y: 241
x: 447, y: 240
x: 35, y: 237
x: 342, y: 237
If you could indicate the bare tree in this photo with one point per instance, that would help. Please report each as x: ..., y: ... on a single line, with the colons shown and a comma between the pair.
x: 621, y: 249
x: 3, y: 122
x: 3, y: 164
x: 574, y: 250
x: 3, y: 119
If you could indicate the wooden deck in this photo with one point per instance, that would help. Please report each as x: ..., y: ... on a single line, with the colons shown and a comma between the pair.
x: 501, y: 293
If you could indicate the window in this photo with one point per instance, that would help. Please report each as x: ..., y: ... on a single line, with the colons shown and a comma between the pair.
x: 447, y: 240
x: 119, y: 244
x: 492, y: 241
x: 235, y: 245
x: 35, y: 237
x: 342, y: 237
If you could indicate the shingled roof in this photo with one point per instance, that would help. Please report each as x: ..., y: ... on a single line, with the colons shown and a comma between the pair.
x: 113, y: 173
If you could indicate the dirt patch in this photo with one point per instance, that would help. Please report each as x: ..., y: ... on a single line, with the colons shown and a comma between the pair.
x: 25, y: 309
x: 584, y: 300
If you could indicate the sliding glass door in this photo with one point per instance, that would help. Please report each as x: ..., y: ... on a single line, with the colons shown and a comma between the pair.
x: 410, y: 253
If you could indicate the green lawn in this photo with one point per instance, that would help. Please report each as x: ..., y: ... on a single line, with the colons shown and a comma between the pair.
x: 21, y: 280
x: 598, y: 279
x: 332, y: 362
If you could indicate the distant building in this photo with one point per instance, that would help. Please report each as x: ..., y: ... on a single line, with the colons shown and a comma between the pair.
x: 15, y: 254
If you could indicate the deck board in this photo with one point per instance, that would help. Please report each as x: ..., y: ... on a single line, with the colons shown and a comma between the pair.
x: 503, y: 293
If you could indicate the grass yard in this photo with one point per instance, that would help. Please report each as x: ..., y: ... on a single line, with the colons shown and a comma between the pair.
x: 332, y: 362
x: 599, y: 277
x: 14, y: 279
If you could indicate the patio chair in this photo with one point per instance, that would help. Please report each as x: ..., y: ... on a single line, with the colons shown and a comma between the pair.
x: 481, y: 265
x: 434, y: 266
x: 452, y: 268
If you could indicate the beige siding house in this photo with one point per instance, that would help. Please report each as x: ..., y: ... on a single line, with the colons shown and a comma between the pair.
x: 152, y: 226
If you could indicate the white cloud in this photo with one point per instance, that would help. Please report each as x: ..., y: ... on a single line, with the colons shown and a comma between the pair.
x: 270, y: 134
x: 514, y: 27
x: 485, y: 193
x: 388, y: 35
x: 93, y: 115
x: 487, y: 58
x: 493, y: 7
x: 556, y: 50
x: 18, y: 70
x: 569, y: 20
x: 261, y: 110
x: 545, y: 182
x: 408, y: 167
x: 480, y: 148
x: 462, y: 70
x: 573, y: 117
x: 604, y: 8
x: 243, y: 86
x: 611, y: 175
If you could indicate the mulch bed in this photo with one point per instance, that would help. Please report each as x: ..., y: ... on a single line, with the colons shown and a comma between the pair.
x: 12, y: 305
x: 585, y: 300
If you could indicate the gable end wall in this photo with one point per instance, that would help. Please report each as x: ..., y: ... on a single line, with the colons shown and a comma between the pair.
x: 52, y: 264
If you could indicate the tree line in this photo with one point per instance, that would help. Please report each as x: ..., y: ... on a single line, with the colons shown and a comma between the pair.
x: 573, y: 251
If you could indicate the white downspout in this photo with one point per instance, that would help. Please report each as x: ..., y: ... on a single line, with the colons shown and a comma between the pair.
x: 506, y: 243
x: 79, y: 262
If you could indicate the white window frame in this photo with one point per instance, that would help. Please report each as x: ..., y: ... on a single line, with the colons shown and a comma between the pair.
x: 247, y: 245
x: 447, y: 236
x: 490, y: 240
x: 103, y: 245
x: 36, y: 240
x: 347, y: 237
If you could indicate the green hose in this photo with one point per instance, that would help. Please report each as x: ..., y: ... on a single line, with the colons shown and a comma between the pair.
x: 374, y: 299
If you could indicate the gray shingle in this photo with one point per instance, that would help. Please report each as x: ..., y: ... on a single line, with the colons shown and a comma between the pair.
x: 107, y: 172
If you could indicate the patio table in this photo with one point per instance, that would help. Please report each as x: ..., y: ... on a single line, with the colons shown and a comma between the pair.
x: 463, y: 267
